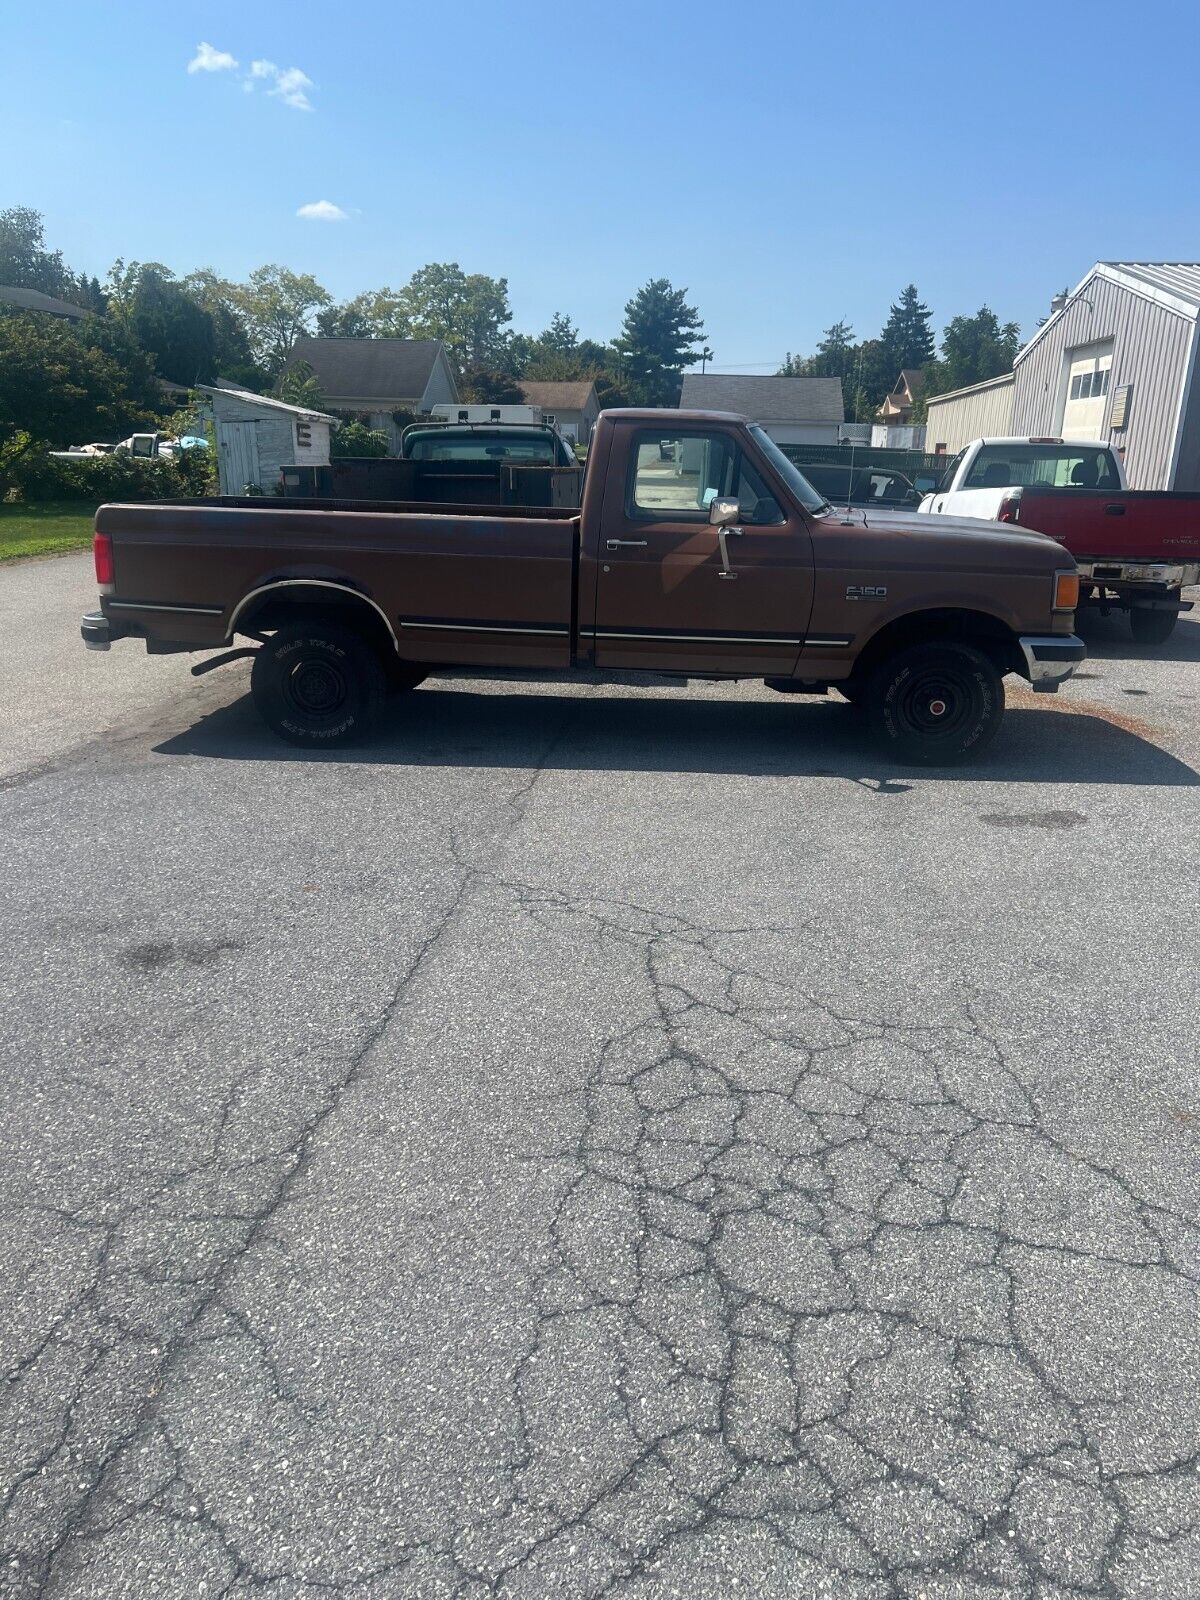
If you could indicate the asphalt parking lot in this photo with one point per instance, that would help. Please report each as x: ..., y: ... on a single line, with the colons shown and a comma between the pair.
x: 619, y: 1140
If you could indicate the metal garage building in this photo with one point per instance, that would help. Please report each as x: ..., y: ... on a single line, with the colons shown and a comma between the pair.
x: 1116, y: 360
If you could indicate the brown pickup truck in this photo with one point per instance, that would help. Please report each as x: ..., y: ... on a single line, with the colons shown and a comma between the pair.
x: 699, y: 549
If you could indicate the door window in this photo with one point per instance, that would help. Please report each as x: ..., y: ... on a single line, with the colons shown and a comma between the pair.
x: 675, y: 477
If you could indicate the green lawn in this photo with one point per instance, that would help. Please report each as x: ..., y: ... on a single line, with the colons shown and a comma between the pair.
x: 44, y: 529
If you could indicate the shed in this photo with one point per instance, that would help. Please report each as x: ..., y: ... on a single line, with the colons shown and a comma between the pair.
x: 791, y: 410
x: 258, y: 436
x: 979, y: 411
x: 572, y: 406
x: 1116, y: 360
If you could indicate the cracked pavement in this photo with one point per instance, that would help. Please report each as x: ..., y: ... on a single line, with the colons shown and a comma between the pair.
x: 622, y: 1140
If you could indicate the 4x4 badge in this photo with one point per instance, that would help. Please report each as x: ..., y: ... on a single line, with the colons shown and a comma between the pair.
x: 865, y: 591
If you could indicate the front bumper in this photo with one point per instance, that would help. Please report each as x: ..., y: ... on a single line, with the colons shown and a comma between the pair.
x: 1154, y: 574
x: 1051, y: 658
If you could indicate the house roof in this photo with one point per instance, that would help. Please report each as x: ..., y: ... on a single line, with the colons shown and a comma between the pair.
x: 911, y: 378
x: 765, y: 399
x: 369, y: 369
x: 35, y: 300
x: 1175, y: 285
x: 567, y: 396
x: 972, y: 388
x: 249, y: 397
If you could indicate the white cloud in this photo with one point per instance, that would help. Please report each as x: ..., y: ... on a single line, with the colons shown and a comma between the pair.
x: 207, y: 59
x: 288, y: 84
x: 322, y: 211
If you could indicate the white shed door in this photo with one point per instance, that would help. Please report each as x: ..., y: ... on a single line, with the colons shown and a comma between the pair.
x: 1087, y: 393
x: 237, y: 455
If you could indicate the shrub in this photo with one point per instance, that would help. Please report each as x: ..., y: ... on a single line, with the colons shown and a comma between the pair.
x: 39, y: 476
x: 356, y: 439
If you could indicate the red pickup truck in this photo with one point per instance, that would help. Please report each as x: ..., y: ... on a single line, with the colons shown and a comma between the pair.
x: 1136, y: 550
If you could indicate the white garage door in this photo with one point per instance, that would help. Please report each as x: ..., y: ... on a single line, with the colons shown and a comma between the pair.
x: 1086, y: 398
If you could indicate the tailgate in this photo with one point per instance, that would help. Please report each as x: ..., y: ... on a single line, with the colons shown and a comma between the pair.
x: 1132, y: 524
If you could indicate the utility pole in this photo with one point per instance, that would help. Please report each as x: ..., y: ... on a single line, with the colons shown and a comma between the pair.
x: 706, y: 356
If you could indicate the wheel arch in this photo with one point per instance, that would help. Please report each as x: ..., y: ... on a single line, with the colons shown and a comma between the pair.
x: 281, y: 599
x: 965, y: 625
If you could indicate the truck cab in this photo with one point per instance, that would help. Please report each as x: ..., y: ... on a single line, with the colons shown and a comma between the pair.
x: 984, y: 474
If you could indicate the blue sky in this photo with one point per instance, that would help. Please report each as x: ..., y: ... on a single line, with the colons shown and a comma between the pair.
x: 789, y: 163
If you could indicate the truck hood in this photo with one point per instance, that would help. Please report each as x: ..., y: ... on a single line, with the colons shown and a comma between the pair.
x: 1006, y: 539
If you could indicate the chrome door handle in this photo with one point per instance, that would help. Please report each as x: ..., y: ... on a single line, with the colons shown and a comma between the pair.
x: 629, y: 544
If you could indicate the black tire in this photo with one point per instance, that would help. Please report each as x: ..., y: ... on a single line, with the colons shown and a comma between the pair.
x: 937, y: 704
x: 318, y: 684
x: 1151, y: 626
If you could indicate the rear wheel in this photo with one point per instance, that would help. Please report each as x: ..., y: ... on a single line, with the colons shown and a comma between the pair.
x: 1151, y: 626
x: 936, y: 704
x: 318, y: 684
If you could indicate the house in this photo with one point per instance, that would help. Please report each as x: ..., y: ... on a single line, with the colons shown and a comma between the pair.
x: 791, y: 410
x: 258, y: 436
x: 980, y: 411
x: 374, y: 378
x: 898, y: 403
x: 572, y: 407
x: 1115, y: 361
x: 35, y: 300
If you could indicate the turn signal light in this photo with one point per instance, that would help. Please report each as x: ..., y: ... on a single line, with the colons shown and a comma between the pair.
x: 1066, y: 591
x: 103, y: 557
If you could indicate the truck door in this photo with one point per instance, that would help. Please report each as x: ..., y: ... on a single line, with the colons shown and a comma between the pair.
x: 665, y: 597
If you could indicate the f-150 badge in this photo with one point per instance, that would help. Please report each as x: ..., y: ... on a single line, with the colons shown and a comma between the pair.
x: 865, y: 591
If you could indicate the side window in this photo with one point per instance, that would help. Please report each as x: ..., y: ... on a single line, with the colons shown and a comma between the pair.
x: 947, y: 477
x: 675, y: 477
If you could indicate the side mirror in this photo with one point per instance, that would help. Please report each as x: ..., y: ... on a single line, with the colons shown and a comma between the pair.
x: 723, y: 511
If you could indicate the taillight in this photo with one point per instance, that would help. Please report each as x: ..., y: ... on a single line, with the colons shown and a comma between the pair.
x: 103, y: 557
x: 1009, y: 507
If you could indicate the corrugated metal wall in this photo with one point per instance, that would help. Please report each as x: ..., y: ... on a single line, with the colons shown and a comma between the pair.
x: 1150, y: 351
x: 985, y: 413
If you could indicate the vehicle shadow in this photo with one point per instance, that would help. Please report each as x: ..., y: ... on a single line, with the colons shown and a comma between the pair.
x: 1108, y: 639
x: 443, y: 726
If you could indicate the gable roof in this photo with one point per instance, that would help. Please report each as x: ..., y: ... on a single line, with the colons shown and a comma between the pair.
x: 912, y: 379
x: 1174, y: 285
x: 248, y: 397
x: 765, y: 399
x: 35, y: 300
x: 369, y: 369
x: 572, y: 395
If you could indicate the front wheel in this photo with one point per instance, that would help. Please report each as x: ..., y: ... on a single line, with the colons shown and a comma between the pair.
x: 1152, y: 626
x: 936, y: 704
x: 318, y: 684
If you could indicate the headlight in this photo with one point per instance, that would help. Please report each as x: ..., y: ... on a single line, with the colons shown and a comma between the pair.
x: 1066, y: 590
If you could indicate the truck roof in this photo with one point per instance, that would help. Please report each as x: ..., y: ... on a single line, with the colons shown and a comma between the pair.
x: 665, y: 416
x: 1019, y: 438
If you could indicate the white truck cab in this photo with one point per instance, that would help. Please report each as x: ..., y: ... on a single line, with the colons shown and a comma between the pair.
x: 981, y: 476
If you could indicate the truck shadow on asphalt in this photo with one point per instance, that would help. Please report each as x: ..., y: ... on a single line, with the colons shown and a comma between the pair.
x: 443, y: 725
x: 1108, y: 639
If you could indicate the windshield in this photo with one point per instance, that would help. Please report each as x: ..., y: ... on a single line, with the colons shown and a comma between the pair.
x: 811, y: 499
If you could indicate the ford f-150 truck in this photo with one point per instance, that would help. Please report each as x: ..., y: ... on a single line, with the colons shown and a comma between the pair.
x: 1136, y: 549
x: 714, y: 559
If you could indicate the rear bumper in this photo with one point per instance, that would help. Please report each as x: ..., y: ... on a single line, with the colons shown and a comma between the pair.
x: 1051, y: 658
x: 99, y: 631
x: 1152, y: 574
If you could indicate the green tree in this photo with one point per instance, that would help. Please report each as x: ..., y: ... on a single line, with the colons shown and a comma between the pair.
x: 25, y: 263
x: 375, y: 314
x: 973, y: 349
x: 57, y: 388
x: 173, y: 327
x: 482, y: 386
x: 907, y: 336
x: 277, y: 307
x: 299, y: 387
x: 233, y: 356
x: 561, y: 337
x: 467, y: 311
x: 658, y: 342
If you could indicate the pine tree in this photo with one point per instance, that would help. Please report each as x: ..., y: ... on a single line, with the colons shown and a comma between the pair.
x: 562, y: 336
x: 907, y: 337
x: 657, y: 340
